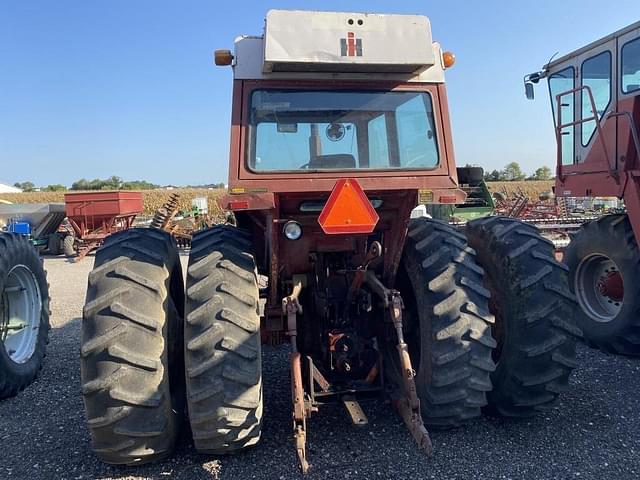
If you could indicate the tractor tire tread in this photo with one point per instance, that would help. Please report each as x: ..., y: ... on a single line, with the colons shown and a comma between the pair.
x: 131, y: 348
x: 222, y: 355
x: 538, y: 352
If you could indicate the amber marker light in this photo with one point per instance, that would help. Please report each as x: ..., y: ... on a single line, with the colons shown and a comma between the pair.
x: 448, y: 59
x: 223, y: 57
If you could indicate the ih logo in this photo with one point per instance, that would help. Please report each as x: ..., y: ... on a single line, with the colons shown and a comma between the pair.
x: 351, y: 46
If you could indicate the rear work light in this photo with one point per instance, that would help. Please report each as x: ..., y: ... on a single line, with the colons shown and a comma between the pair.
x: 292, y: 230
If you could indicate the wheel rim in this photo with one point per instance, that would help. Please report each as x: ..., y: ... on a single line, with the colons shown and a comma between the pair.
x: 20, y: 311
x: 599, y: 287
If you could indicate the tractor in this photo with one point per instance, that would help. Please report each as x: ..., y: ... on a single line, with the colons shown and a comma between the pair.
x: 595, y: 99
x: 339, y: 129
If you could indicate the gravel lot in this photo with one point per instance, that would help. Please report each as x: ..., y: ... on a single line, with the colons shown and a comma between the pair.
x: 593, y: 432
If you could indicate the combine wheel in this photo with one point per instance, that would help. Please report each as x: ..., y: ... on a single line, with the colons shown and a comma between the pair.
x: 222, y: 342
x: 604, y: 273
x: 534, y: 310
x: 447, y: 323
x: 24, y: 314
x: 132, y: 364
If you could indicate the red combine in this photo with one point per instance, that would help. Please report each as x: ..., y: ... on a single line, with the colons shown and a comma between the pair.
x: 339, y: 128
x: 595, y: 98
x: 93, y: 216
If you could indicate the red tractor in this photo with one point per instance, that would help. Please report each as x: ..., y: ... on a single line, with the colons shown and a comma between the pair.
x: 339, y: 128
x: 595, y: 98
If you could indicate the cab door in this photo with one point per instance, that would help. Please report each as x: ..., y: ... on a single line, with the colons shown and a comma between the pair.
x: 595, y: 136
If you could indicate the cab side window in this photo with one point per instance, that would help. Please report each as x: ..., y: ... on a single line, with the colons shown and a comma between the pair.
x: 630, y: 66
x: 596, y: 74
x: 559, y: 83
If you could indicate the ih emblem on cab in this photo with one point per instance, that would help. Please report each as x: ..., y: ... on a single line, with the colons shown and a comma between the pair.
x: 351, y: 46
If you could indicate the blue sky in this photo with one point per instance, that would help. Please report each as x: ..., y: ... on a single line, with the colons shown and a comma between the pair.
x: 127, y: 87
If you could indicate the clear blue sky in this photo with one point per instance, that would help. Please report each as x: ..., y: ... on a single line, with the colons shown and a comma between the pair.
x: 128, y: 88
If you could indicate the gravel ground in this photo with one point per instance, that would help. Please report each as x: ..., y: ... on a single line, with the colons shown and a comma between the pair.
x: 592, y: 433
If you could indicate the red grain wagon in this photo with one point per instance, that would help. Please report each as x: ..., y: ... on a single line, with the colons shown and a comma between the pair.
x: 94, y: 216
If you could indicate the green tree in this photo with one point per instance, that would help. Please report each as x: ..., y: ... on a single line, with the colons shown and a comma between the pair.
x: 112, y: 183
x: 81, y: 184
x: 25, y: 186
x: 513, y: 172
x: 542, y: 173
x: 138, y: 185
x: 493, y: 176
x: 56, y: 187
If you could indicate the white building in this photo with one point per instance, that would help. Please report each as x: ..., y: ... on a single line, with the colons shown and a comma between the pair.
x: 9, y: 189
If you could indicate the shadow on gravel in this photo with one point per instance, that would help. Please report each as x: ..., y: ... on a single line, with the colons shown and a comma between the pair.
x: 592, y: 433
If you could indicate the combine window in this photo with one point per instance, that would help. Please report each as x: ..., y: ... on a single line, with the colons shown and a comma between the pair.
x: 596, y: 74
x: 630, y: 66
x: 311, y: 130
x: 561, y: 82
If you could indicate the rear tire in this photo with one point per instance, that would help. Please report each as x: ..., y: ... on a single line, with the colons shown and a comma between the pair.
x: 534, y: 311
x: 607, y: 321
x: 21, y: 351
x: 450, y: 344
x: 222, y: 342
x: 131, y: 349
x: 54, y: 244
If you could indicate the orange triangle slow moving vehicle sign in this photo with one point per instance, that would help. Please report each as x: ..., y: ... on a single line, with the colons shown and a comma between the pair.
x: 348, y: 210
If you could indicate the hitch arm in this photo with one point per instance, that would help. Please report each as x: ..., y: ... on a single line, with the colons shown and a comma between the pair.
x: 301, y: 407
x: 409, y: 404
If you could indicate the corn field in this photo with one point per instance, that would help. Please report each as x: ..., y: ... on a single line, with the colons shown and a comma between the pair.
x: 153, y: 199
x: 531, y: 188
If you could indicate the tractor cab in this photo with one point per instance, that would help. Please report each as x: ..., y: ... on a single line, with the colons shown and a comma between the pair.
x: 595, y: 100
x: 355, y: 96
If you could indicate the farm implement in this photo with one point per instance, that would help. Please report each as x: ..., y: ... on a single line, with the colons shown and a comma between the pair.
x: 338, y: 130
x: 93, y: 216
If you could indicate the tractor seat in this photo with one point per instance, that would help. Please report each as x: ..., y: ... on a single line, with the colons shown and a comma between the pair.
x: 337, y: 160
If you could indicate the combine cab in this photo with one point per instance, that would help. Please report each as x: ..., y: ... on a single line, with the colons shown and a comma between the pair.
x: 595, y: 97
x: 340, y: 127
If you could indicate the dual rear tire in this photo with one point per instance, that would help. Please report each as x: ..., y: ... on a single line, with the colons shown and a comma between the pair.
x: 489, y: 322
x: 137, y: 349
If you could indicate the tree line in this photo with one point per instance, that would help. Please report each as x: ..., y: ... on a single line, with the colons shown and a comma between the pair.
x: 512, y: 172
x: 111, y: 183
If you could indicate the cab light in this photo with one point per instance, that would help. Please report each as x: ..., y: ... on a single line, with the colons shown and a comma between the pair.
x: 448, y: 59
x: 292, y: 230
x: 223, y: 57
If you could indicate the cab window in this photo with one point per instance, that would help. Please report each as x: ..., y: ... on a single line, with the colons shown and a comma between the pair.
x: 630, y: 66
x: 560, y: 82
x: 596, y: 74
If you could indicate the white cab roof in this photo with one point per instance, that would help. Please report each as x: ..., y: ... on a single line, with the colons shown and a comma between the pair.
x: 309, y: 44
